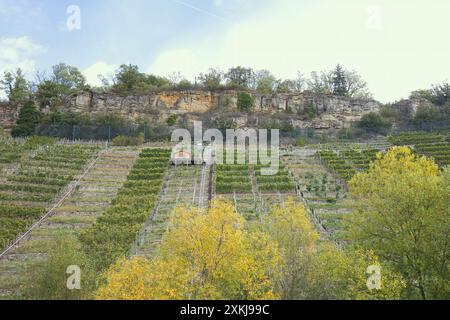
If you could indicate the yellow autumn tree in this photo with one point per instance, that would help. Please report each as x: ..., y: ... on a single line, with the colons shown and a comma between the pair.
x: 403, y: 216
x: 205, y: 255
x: 290, y: 228
x: 314, y: 268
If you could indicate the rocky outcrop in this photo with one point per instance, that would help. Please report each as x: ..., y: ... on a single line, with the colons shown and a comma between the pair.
x: 9, y: 113
x: 332, y: 111
x: 409, y: 107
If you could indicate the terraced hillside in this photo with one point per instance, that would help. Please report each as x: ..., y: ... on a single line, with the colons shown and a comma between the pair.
x: 252, y: 192
x: 432, y: 145
x: 322, y: 175
x: 90, y: 198
x: 115, y: 231
x: 184, y: 186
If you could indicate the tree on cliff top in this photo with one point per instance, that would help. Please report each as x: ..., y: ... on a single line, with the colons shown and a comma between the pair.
x: 16, y: 86
x: 340, y: 82
x: 129, y: 79
x: 241, y: 77
x: 64, y: 80
x: 211, y: 80
x: 68, y: 78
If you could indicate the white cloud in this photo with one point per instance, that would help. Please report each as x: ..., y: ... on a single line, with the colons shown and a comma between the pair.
x: 182, y: 60
x: 18, y: 53
x: 99, y: 68
x: 397, y: 46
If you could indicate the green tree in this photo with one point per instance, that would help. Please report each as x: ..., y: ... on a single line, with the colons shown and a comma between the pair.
x: 422, y: 94
x: 403, y: 217
x: 308, y: 112
x: 427, y: 114
x: 68, y: 78
x: 48, y: 93
x: 320, y: 83
x: 241, y: 77
x: 47, y: 280
x: 29, y: 118
x: 245, y: 102
x: 129, y: 80
x: 265, y: 82
x: 441, y: 94
x: 65, y: 80
x: 356, y: 86
x: 172, y: 120
x: 292, y: 86
x: 211, y: 80
x: 16, y: 86
x: 374, y: 123
x: 339, y: 81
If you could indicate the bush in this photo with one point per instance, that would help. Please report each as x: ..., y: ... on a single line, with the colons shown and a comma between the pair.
x: 47, y: 280
x: 29, y: 118
x: 374, y: 123
x: 426, y: 115
x: 309, y: 112
x: 245, y: 102
x: 124, y: 141
x: 301, y: 142
x: 173, y: 119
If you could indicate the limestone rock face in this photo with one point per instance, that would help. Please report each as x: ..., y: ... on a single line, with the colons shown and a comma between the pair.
x: 332, y: 111
x: 410, y: 106
x: 9, y: 114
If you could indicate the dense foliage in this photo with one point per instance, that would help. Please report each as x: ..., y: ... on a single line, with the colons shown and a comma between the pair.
x: 212, y: 255
x: 404, y: 217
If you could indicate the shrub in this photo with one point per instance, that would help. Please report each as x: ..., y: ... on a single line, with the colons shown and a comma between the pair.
x: 173, y: 119
x: 374, y: 123
x: 123, y: 141
x: 245, y: 102
x: 426, y: 115
x: 47, y: 280
x: 29, y: 118
x: 301, y: 142
x: 308, y: 112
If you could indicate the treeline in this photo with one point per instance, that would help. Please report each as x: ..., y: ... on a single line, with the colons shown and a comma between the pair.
x: 128, y: 79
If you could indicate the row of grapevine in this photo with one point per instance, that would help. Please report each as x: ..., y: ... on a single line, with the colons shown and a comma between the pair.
x: 360, y: 159
x: 428, y: 144
x: 233, y: 178
x: 26, y: 194
x: 115, y: 231
x: 279, y: 182
x: 440, y: 152
x: 335, y: 163
x: 12, y: 150
x: 413, y: 138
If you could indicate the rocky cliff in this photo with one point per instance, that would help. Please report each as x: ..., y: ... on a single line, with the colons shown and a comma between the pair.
x: 8, y: 114
x: 332, y: 111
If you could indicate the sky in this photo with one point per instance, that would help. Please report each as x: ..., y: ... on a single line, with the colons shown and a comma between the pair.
x: 397, y: 46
